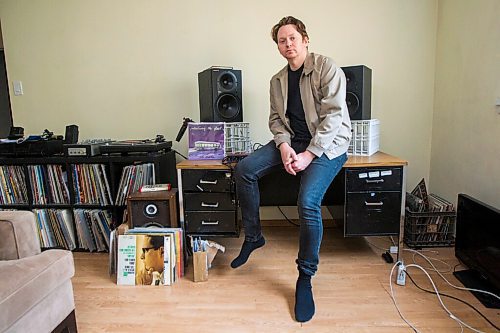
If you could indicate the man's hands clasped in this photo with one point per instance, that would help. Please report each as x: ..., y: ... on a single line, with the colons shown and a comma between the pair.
x: 294, y: 162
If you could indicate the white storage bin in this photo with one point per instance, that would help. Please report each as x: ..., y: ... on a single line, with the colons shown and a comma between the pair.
x: 237, y: 138
x: 365, y: 137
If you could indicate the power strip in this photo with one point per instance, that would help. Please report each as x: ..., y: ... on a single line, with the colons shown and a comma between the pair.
x: 401, y: 278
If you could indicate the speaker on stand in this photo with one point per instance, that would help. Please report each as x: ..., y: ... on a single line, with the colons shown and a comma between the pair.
x: 220, y: 94
x: 153, y: 209
x: 359, y: 91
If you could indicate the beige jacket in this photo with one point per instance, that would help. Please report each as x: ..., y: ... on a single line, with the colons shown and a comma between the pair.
x: 323, y: 92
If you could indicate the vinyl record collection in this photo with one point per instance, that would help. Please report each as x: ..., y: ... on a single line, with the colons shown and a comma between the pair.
x: 133, y: 178
x: 77, y: 199
x: 12, y: 185
x: 56, y: 228
x: 131, y: 256
x: 84, y: 228
x: 429, y: 219
x: 48, y: 184
x: 93, y: 229
x: 91, y: 184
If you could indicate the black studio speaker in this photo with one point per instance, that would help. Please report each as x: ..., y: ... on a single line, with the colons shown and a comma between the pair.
x: 152, y: 209
x: 220, y: 95
x: 359, y: 91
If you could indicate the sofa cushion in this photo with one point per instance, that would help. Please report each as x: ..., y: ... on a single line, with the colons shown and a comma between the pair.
x: 27, y: 281
x: 19, y: 235
x: 46, y: 315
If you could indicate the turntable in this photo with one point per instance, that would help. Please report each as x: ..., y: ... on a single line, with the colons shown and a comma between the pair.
x: 136, y: 146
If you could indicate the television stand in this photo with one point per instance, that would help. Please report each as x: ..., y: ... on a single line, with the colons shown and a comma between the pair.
x: 473, y: 280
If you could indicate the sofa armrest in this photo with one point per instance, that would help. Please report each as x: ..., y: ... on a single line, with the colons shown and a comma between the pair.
x: 29, y: 282
x: 19, y: 235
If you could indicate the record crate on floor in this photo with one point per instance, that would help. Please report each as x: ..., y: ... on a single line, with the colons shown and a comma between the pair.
x: 365, y: 137
x: 429, y: 229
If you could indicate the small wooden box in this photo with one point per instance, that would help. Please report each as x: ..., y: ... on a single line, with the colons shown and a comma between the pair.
x: 153, y: 209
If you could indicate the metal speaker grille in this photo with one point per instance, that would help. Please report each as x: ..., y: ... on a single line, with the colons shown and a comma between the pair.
x: 227, y: 81
x: 352, y: 103
x: 228, y: 106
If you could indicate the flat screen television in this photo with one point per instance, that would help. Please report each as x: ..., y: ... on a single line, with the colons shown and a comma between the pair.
x: 477, y: 246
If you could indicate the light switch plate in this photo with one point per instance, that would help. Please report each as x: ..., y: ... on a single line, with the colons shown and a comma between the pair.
x: 18, y: 88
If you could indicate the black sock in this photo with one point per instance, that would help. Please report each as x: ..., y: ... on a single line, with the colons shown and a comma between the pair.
x: 304, y: 301
x: 246, y: 249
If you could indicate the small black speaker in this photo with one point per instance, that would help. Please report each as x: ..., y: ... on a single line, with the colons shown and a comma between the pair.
x: 157, y: 209
x: 220, y: 94
x: 16, y: 133
x: 359, y: 91
x: 71, y: 135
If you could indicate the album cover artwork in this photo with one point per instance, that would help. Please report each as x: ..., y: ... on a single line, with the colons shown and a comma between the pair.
x: 206, y: 141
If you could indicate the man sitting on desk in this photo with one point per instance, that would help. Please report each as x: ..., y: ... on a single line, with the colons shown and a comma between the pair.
x: 311, y: 127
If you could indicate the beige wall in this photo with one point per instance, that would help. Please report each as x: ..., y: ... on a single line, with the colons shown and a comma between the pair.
x: 128, y: 69
x: 466, y: 126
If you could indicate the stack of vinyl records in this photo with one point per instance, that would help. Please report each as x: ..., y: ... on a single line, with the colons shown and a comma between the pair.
x: 91, y: 184
x: 12, y: 185
x: 48, y: 184
x: 429, y: 219
x: 93, y: 229
x: 132, y: 179
x: 55, y: 228
x: 129, y: 256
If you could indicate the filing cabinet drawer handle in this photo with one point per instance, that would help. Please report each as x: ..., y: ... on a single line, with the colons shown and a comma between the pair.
x: 215, y: 205
x: 380, y: 203
x: 213, y: 182
x: 376, y: 181
x: 209, y: 222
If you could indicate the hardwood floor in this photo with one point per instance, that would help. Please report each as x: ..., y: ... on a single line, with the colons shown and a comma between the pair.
x: 351, y: 292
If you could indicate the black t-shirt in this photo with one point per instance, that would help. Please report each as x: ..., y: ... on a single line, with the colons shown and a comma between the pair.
x: 294, y: 108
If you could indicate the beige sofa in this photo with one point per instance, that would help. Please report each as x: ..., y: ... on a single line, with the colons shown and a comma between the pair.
x: 36, y: 294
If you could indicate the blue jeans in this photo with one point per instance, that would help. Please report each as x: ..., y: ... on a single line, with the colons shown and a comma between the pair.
x: 314, y: 181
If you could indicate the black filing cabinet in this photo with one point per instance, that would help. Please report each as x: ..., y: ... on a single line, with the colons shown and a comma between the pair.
x: 209, y: 202
x: 373, y: 201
